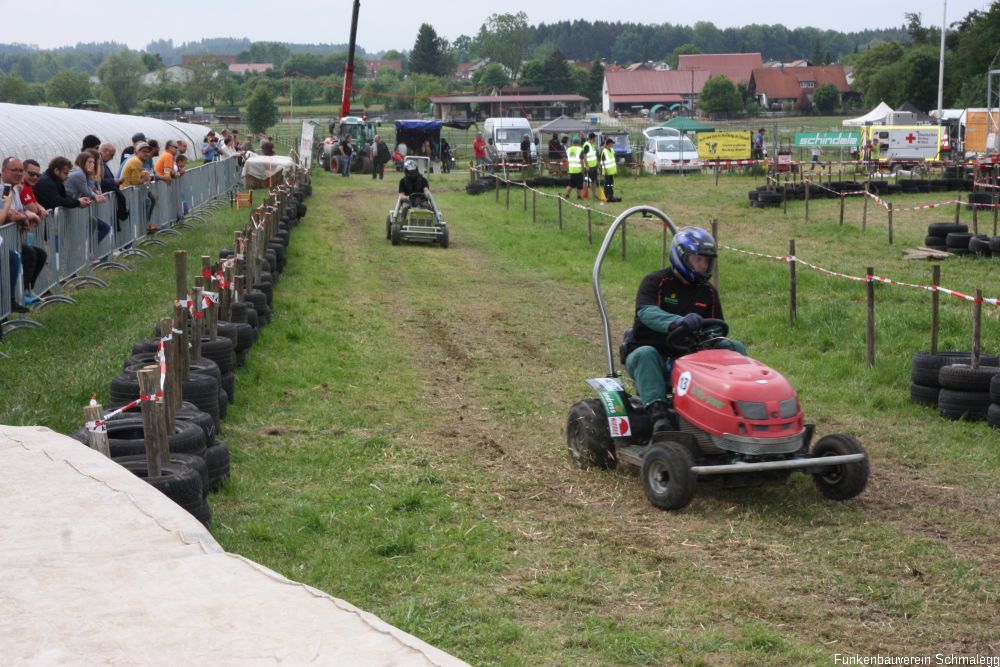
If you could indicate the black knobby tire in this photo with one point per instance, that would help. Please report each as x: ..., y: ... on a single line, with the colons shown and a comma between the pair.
x: 935, y: 242
x: 767, y: 197
x: 238, y: 311
x: 956, y: 404
x: 995, y: 389
x: 666, y: 475
x: 844, y: 481
x: 221, y: 352
x: 993, y: 415
x: 443, y: 239
x: 217, y: 460
x: 922, y: 395
x: 125, y: 437
x: 995, y: 245
x: 197, y: 463
x: 190, y: 413
x: 966, y: 378
x: 587, y: 436
x: 980, y: 245
x: 223, y: 400
x: 396, y: 234
x: 180, y: 483
x: 228, y: 385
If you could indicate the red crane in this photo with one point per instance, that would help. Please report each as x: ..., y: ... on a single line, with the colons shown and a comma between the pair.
x: 345, y: 102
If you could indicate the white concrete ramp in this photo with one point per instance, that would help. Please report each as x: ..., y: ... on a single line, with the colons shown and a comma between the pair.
x: 99, y: 568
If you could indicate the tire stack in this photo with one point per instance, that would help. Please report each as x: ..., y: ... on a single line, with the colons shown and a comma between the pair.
x: 925, y: 372
x: 958, y: 240
x: 480, y: 185
x: 198, y: 461
x: 762, y: 197
x: 993, y: 412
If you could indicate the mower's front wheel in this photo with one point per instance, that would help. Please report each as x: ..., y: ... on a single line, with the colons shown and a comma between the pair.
x: 841, y: 482
x: 396, y: 233
x: 587, y: 435
x: 388, y: 228
x: 667, y: 477
x: 443, y: 238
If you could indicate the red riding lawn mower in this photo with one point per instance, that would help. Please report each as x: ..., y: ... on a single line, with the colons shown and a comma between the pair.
x: 735, y: 420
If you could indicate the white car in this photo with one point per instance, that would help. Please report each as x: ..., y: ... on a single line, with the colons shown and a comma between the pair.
x: 670, y: 153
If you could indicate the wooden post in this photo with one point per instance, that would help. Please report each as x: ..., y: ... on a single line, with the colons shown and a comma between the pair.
x: 197, y: 324
x: 842, y: 197
x: 524, y: 186
x: 534, y: 206
x: 715, y: 235
x: 935, y: 303
x: 870, y: 328
x: 590, y: 226
x: 153, y: 427
x: 97, y: 437
x: 560, y: 214
x: 890, y: 223
x: 958, y: 208
x: 225, y: 302
x: 507, y: 189
x: 792, y: 284
x: 977, y: 327
x: 171, y: 386
x: 716, y: 173
x: 808, y: 186
x: 864, y: 215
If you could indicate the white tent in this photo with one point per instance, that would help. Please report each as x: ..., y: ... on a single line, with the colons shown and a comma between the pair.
x: 873, y: 117
x: 43, y: 133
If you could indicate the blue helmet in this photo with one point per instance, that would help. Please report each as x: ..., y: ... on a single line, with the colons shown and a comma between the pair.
x: 692, y: 241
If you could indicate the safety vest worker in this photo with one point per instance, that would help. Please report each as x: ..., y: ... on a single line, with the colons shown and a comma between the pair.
x: 573, y: 159
x: 608, y: 163
x: 591, y: 154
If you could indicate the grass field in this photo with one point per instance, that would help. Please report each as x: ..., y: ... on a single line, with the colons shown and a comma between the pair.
x: 398, y: 434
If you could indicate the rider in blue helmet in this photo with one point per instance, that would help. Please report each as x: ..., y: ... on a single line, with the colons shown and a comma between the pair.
x: 679, y: 296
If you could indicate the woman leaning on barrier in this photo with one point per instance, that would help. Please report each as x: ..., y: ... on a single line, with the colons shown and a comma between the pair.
x: 83, y: 181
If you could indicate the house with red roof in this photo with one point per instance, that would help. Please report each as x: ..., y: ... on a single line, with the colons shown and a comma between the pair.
x: 737, y: 67
x: 372, y: 67
x: 626, y: 91
x: 793, y: 87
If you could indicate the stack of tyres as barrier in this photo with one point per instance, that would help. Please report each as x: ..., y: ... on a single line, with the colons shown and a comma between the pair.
x: 937, y: 234
x: 180, y: 483
x: 925, y: 370
x: 965, y: 391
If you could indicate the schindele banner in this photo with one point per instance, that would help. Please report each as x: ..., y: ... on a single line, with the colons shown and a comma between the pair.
x: 827, y: 139
x: 724, y: 145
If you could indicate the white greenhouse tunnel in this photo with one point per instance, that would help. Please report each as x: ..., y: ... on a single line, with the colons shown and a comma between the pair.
x: 43, y: 133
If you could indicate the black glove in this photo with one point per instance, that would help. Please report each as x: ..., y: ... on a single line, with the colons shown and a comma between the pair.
x: 691, y: 322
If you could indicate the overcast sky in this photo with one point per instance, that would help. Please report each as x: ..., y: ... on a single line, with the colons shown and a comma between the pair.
x: 388, y: 24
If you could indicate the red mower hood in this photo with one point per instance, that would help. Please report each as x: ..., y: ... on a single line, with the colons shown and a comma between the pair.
x: 721, y: 392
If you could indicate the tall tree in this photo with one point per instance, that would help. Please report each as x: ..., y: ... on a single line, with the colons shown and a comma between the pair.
x: 557, y: 76
x: 121, y: 79
x: 504, y: 39
x: 262, y: 113
x: 595, y: 82
x: 687, y: 49
x: 490, y: 76
x: 13, y: 89
x: 428, y: 55
x: 67, y: 87
x: 826, y: 98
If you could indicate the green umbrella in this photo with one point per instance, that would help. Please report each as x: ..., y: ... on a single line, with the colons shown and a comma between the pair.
x: 685, y: 124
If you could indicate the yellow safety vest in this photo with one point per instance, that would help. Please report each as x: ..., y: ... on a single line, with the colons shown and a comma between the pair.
x: 591, y: 154
x: 608, y: 162
x: 573, y: 158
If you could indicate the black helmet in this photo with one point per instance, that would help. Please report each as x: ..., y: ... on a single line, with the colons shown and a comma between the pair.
x: 692, y: 241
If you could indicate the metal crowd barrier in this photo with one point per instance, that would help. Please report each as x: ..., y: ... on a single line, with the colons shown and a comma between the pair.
x: 70, y: 236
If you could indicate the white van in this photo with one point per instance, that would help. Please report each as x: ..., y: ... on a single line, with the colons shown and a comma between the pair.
x: 503, y: 139
x: 909, y: 144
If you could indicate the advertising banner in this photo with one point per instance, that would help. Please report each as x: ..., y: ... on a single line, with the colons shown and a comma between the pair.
x: 306, y: 144
x: 724, y: 145
x: 847, y: 140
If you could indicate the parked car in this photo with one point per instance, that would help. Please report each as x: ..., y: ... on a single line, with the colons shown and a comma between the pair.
x: 665, y: 154
x: 622, y: 146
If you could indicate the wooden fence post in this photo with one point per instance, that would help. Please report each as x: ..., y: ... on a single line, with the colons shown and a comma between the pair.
x: 508, y: 194
x: 977, y: 327
x: 524, y: 186
x: 870, y: 328
x: 197, y: 324
x: 808, y: 186
x: 716, y: 173
x: 153, y: 427
x: 890, y: 223
x: 958, y: 208
x: 935, y: 303
x: 864, y: 215
x: 97, y: 437
x: 842, y: 198
x: 792, y: 285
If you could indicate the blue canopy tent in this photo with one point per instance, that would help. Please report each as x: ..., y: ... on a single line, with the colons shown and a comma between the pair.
x: 414, y: 133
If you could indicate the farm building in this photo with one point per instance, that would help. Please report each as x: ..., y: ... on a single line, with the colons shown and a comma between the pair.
x: 626, y: 91
x: 793, y: 87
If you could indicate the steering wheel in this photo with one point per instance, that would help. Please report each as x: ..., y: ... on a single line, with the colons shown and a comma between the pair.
x: 418, y: 198
x: 684, y: 341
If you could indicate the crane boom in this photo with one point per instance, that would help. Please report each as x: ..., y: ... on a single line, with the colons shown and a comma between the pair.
x: 345, y: 102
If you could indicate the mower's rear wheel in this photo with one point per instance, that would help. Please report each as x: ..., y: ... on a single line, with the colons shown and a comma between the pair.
x: 667, y: 477
x: 396, y: 234
x: 844, y: 481
x: 587, y: 435
x: 388, y: 228
x: 443, y: 238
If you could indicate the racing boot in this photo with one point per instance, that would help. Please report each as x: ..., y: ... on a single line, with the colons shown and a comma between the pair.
x: 659, y: 414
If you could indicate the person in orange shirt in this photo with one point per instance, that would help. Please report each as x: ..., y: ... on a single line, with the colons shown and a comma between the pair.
x: 164, y: 166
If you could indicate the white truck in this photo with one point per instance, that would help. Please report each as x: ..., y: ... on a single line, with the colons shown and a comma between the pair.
x: 905, y: 146
x: 503, y: 139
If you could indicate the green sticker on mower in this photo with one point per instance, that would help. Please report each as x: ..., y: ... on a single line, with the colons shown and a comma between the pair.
x: 613, y: 404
